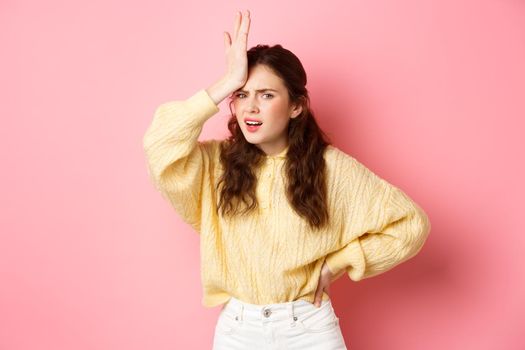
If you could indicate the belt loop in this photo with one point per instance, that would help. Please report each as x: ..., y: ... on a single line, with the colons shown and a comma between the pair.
x: 241, y: 313
x: 291, y: 313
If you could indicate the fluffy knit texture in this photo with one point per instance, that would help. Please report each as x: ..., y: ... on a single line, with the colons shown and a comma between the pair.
x: 271, y: 255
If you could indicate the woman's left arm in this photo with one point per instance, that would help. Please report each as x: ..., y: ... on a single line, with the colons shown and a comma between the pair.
x: 394, y: 228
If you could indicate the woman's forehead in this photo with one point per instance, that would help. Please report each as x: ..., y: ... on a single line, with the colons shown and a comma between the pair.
x: 260, y: 78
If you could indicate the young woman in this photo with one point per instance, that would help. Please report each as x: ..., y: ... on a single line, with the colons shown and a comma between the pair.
x: 281, y: 212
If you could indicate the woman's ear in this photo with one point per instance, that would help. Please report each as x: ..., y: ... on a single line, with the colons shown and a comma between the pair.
x: 297, y: 109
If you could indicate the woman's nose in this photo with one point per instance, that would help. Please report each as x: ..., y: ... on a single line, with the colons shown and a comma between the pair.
x: 252, y: 105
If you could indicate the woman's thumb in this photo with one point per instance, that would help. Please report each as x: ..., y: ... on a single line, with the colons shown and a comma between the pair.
x: 318, y: 296
x: 227, y: 41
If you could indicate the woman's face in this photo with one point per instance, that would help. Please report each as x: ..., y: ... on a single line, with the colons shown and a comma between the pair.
x: 264, y: 98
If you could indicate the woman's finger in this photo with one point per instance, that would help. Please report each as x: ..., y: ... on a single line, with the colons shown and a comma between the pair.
x: 245, y: 26
x: 237, y: 25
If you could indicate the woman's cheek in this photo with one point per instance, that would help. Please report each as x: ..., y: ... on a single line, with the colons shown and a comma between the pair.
x: 271, y: 111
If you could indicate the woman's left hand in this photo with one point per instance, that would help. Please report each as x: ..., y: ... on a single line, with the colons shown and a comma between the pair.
x: 325, y: 278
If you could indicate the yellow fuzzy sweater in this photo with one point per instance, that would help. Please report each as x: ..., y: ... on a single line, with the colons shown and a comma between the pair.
x: 271, y: 256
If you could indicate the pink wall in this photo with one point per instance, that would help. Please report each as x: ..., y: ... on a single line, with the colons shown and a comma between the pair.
x: 429, y: 94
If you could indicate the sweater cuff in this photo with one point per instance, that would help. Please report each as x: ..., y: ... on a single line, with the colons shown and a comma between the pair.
x: 202, y: 106
x: 350, y: 257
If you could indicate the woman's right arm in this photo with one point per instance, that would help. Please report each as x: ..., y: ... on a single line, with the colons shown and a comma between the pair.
x: 173, y: 133
x: 177, y: 162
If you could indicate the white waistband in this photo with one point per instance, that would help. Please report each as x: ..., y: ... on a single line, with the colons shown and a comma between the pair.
x: 271, y: 312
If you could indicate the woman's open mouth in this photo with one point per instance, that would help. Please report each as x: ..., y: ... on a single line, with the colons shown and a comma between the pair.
x: 252, y: 126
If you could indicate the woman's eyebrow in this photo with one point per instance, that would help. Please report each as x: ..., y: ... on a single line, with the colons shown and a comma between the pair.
x: 260, y: 90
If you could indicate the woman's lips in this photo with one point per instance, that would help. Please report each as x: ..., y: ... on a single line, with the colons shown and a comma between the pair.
x: 252, y: 120
x: 252, y: 128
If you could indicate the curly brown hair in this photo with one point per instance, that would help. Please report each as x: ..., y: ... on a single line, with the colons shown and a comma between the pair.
x: 304, y: 165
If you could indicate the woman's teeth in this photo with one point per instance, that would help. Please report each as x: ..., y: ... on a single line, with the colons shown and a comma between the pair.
x: 253, y: 123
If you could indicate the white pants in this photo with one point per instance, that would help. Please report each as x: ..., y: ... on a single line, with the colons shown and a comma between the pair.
x: 284, y: 326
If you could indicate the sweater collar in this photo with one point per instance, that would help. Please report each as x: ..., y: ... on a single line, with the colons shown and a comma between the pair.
x: 281, y: 154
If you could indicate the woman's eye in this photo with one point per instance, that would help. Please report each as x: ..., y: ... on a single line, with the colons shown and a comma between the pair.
x: 239, y: 95
x: 269, y: 95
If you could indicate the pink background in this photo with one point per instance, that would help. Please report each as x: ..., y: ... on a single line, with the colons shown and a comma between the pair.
x: 428, y: 94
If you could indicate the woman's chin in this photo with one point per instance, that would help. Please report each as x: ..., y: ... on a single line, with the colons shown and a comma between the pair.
x: 252, y: 140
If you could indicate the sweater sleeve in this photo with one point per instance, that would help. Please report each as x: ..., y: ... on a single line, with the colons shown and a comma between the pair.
x: 176, y: 161
x: 393, y: 228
